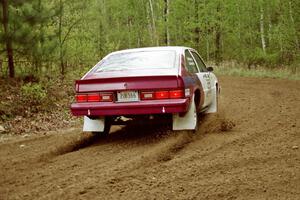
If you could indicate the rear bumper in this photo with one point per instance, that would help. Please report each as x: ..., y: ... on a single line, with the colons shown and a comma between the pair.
x: 130, y: 108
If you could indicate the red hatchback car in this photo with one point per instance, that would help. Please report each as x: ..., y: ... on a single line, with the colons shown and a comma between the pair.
x: 148, y: 83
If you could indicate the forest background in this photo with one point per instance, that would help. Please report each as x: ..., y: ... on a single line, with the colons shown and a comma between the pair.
x: 52, y: 37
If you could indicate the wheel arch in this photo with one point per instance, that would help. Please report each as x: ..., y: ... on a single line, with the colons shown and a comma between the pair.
x: 197, y: 98
x: 217, y: 87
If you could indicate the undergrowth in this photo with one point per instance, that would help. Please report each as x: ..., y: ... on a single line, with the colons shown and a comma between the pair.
x: 35, y: 104
x: 279, y: 73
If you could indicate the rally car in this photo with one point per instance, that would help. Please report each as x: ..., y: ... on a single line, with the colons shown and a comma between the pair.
x: 147, y: 83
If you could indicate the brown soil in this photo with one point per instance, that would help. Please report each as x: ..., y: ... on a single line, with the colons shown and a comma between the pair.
x: 249, y: 150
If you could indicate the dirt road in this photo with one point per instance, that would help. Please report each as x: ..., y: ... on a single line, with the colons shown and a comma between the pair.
x: 249, y: 150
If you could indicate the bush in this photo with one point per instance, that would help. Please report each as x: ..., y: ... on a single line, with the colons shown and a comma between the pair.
x: 33, y: 94
x: 258, y: 58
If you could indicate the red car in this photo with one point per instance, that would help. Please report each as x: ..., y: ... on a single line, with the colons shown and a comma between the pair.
x: 148, y: 83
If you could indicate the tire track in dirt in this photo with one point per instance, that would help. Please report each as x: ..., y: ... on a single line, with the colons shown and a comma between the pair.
x: 165, y: 149
x: 165, y: 146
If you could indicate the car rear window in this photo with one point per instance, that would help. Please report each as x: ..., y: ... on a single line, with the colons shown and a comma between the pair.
x: 138, y: 60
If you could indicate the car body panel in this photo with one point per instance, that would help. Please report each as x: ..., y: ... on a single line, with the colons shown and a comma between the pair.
x: 130, y: 108
x: 128, y: 83
x: 207, y: 88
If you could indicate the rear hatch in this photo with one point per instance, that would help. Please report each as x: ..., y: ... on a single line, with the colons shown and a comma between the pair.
x: 129, y: 86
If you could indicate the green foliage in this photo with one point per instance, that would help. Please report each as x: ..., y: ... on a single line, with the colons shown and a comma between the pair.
x: 282, y: 73
x: 258, y: 58
x: 33, y: 94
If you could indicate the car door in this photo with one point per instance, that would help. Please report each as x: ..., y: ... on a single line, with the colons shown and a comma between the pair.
x: 205, y: 78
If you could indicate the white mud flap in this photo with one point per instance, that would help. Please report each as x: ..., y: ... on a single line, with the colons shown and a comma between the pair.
x: 213, y: 108
x: 96, y: 125
x: 186, y: 122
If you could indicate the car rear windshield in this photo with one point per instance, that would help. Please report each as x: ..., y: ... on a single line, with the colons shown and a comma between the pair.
x: 138, y: 60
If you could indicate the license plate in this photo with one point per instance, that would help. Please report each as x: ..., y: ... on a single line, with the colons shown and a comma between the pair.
x: 128, y: 96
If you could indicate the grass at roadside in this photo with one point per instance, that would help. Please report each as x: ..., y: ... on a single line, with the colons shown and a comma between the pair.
x: 258, y: 72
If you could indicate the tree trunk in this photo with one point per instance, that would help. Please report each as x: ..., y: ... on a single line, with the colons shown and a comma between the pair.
x: 38, y: 57
x: 149, y: 25
x: 61, y: 56
x: 218, y: 46
x: 218, y: 36
x: 239, y: 22
x: 102, y: 36
x: 166, y: 15
x: 153, y: 23
x: 293, y: 24
x: 1, y: 70
x: 129, y: 25
x: 197, y: 28
x: 99, y: 37
x: 207, y: 47
x: 270, y: 31
x: 8, y: 40
x: 262, y: 30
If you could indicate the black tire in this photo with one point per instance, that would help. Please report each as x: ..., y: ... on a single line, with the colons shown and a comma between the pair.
x: 106, y: 130
x: 197, y: 119
x: 217, y: 98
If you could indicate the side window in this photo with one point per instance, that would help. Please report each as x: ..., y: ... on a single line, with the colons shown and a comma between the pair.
x: 190, y: 63
x: 200, y: 63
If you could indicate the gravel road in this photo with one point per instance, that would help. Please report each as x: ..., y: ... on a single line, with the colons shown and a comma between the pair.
x: 249, y: 150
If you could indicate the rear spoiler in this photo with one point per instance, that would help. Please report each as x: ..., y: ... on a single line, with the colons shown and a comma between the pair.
x: 129, y: 83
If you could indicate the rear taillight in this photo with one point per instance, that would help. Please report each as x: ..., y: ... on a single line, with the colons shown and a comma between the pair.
x: 161, y: 94
x: 176, y: 94
x: 166, y: 94
x: 145, y: 95
x: 94, y: 97
x: 81, y: 98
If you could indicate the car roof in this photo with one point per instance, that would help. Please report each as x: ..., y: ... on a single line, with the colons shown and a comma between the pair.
x: 172, y: 48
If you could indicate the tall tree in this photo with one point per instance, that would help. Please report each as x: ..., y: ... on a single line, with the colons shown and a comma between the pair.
x: 262, y: 29
x: 166, y: 19
x: 153, y: 23
x: 24, y: 34
x: 8, y: 38
x: 66, y: 23
x: 218, y: 32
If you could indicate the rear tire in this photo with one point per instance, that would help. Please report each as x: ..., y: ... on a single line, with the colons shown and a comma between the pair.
x: 196, y: 115
x: 217, y: 97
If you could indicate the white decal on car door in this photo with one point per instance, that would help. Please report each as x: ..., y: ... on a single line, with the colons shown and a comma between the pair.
x: 204, y: 78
